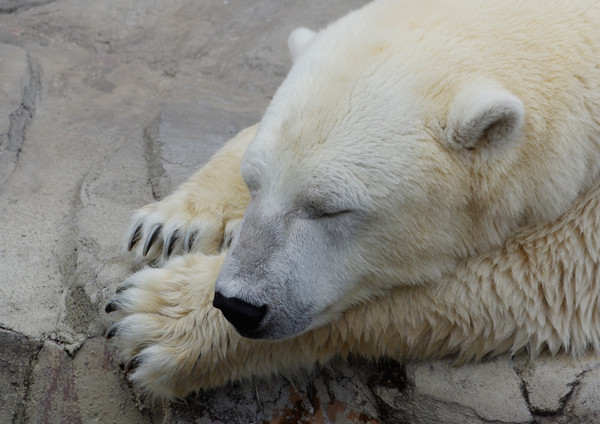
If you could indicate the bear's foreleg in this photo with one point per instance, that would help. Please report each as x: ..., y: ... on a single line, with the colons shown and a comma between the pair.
x: 542, y: 290
x: 201, y: 215
x: 173, y: 341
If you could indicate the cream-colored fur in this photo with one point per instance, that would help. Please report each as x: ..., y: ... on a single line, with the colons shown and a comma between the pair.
x: 207, y: 208
x: 540, y: 291
x: 485, y: 247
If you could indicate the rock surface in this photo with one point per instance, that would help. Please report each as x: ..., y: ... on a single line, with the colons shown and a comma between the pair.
x: 108, y: 105
x: 17, y: 354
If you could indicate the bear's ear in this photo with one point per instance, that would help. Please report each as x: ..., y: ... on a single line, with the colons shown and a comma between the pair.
x: 481, y: 117
x: 298, y: 40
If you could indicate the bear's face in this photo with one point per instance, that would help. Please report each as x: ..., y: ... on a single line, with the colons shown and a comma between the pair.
x: 338, y: 224
x: 358, y: 186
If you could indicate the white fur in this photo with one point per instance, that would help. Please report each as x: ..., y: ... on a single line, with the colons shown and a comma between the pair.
x: 461, y: 141
x: 299, y: 40
x: 363, y: 123
x: 482, y: 115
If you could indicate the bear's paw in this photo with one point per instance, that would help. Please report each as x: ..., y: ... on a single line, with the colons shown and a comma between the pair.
x: 170, y: 227
x: 167, y: 328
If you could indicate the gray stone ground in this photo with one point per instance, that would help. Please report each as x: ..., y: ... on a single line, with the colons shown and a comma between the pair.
x: 107, y: 105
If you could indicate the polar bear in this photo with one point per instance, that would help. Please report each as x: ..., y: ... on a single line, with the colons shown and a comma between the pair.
x: 423, y: 184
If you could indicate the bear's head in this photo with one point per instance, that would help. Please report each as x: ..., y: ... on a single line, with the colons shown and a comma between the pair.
x: 382, y: 161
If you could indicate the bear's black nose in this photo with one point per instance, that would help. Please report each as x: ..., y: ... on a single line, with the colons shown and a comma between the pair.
x: 244, y: 316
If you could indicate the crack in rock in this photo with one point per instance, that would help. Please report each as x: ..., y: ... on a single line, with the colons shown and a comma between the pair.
x: 152, y: 156
x: 21, y: 415
x: 548, y: 386
x: 17, y: 356
x: 11, y: 142
x: 10, y: 330
x: 8, y: 7
x: 73, y: 323
x: 183, y: 137
x: 524, y: 391
x: 575, y: 402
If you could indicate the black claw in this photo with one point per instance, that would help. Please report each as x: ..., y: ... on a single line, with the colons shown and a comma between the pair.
x: 190, y: 238
x: 135, y: 237
x: 112, y: 330
x: 154, y: 231
x: 170, y: 244
x: 133, y: 363
x: 111, y: 307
